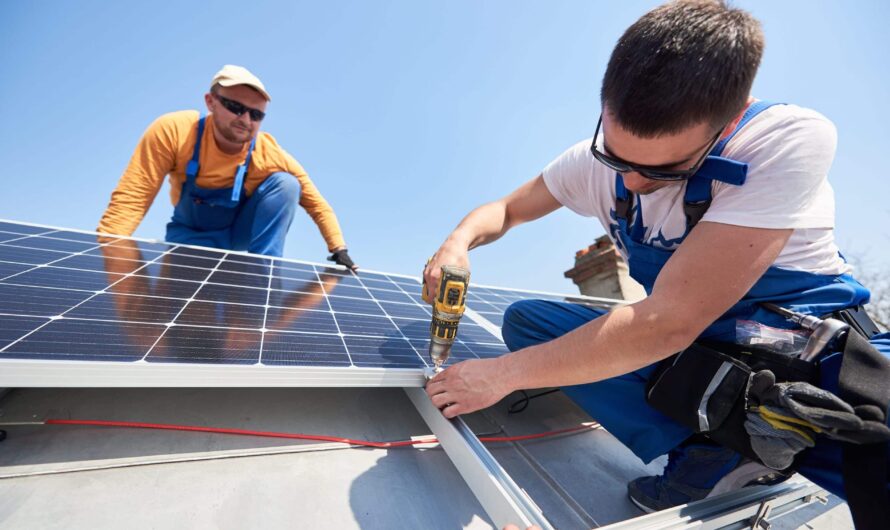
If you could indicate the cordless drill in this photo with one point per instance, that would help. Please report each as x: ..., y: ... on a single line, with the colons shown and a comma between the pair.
x: 448, y: 307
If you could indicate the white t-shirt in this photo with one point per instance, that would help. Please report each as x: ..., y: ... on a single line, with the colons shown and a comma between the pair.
x: 789, y: 151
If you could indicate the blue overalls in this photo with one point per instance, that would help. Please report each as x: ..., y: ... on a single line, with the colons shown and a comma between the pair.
x: 619, y: 403
x: 226, y: 217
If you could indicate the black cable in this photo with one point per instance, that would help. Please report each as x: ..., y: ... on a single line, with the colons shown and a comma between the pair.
x: 522, y: 403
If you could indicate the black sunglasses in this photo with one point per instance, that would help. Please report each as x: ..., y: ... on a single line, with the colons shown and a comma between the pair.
x: 650, y: 172
x: 238, y: 108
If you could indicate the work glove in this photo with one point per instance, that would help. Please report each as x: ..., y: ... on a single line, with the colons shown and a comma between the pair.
x: 775, y: 439
x: 796, y: 411
x: 777, y: 433
x: 341, y: 257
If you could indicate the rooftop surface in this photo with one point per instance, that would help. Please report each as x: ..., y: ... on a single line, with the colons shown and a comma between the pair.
x: 56, y: 476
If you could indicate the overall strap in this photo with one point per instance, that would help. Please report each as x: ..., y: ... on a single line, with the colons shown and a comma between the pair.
x: 624, y: 211
x: 697, y: 198
x: 753, y: 110
x: 241, y: 173
x: 191, y: 169
x: 624, y: 201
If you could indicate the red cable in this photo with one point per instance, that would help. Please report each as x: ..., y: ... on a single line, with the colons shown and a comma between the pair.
x: 315, y: 437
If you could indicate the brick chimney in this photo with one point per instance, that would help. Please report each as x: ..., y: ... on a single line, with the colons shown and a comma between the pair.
x: 601, y: 271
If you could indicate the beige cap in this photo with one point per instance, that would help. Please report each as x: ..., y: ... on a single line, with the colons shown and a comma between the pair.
x: 232, y: 75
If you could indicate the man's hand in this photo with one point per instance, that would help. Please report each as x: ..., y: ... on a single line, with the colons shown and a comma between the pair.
x: 341, y: 257
x: 468, y: 386
x: 450, y: 253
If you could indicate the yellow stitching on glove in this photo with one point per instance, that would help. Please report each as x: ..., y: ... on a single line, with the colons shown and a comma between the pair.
x: 788, y: 423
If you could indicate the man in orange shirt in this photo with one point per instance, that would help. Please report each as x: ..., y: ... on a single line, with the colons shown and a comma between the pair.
x: 232, y: 186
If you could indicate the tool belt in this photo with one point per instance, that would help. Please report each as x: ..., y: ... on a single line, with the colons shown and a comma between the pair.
x: 713, y: 388
x: 704, y: 386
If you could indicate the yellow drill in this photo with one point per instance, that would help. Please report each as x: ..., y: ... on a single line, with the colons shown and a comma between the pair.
x: 448, y: 307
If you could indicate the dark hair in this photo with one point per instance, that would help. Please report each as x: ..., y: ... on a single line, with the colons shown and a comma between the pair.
x: 681, y: 64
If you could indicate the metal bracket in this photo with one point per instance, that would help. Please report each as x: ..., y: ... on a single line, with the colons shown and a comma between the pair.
x: 760, y: 519
x: 503, y: 500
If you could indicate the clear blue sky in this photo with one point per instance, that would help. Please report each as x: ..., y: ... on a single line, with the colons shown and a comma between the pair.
x: 405, y: 114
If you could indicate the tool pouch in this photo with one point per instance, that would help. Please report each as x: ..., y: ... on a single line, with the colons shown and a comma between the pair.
x: 703, y: 388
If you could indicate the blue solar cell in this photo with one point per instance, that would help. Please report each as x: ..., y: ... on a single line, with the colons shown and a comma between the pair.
x: 293, y: 274
x: 30, y: 256
x: 495, y: 318
x: 148, y: 286
x: 127, y: 308
x: 458, y: 352
x: 239, y: 279
x: 365, y: 325
x: 9, y: 236
x: 339, y: 279
x: 482, y: 306
x: 212, y: 292
x: 414, y: 329
x: 79, y: 236
x: 187, y: 344
x: 354, y: 305
x: 190, y: 261
x: 59, y: 245
x: 390, y: 296
x: 419, y: 300
x: 303, y: 350
x: 300, y: 286
x: 65, y: 278
x: 8, y: 269
x: 346, y: 290
x: 405, y: 310
x: 210, y: 254
x: 388, y: 352
x: 245, y: 258
x: 173, y: 272
x: 249, y: 268
x: 298, y: 300
x: 380, y: 284
x: 283, y: 267
x: 472, y: 333
x: 405, y: 282
x: 22, y: 229
x: 121, y: 252
x: 39, y: 301
x: 282, y: 319
x: 15, y: 327
x: 222, y: 315
x: 485, y: 351
x: 98, y: 263
x: 144, y: 246
x: 86, y: 340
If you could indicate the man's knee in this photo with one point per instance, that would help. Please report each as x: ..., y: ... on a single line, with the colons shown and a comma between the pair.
x: 282, y: 186
x: 516, y: 323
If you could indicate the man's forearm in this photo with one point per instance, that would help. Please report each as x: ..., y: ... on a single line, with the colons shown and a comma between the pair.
x: 491, y: 221
x: 483, y: 225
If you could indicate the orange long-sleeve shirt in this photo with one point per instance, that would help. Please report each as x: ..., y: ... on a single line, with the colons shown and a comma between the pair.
x: 165, y: 149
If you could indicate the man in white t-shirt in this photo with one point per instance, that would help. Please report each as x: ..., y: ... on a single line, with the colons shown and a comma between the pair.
x: 718, y: 202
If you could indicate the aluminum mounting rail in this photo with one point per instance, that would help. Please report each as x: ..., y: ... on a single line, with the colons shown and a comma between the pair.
x: 745, y: 508
x: 503, y: 500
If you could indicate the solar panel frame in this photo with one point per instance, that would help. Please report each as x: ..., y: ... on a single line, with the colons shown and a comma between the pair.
x: 380, y: 324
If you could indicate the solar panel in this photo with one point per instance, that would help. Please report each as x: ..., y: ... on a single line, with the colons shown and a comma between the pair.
x: 77, y: 310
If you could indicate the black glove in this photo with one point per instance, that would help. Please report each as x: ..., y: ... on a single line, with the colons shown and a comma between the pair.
x: 819, y: 409
x: 341, y: 257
